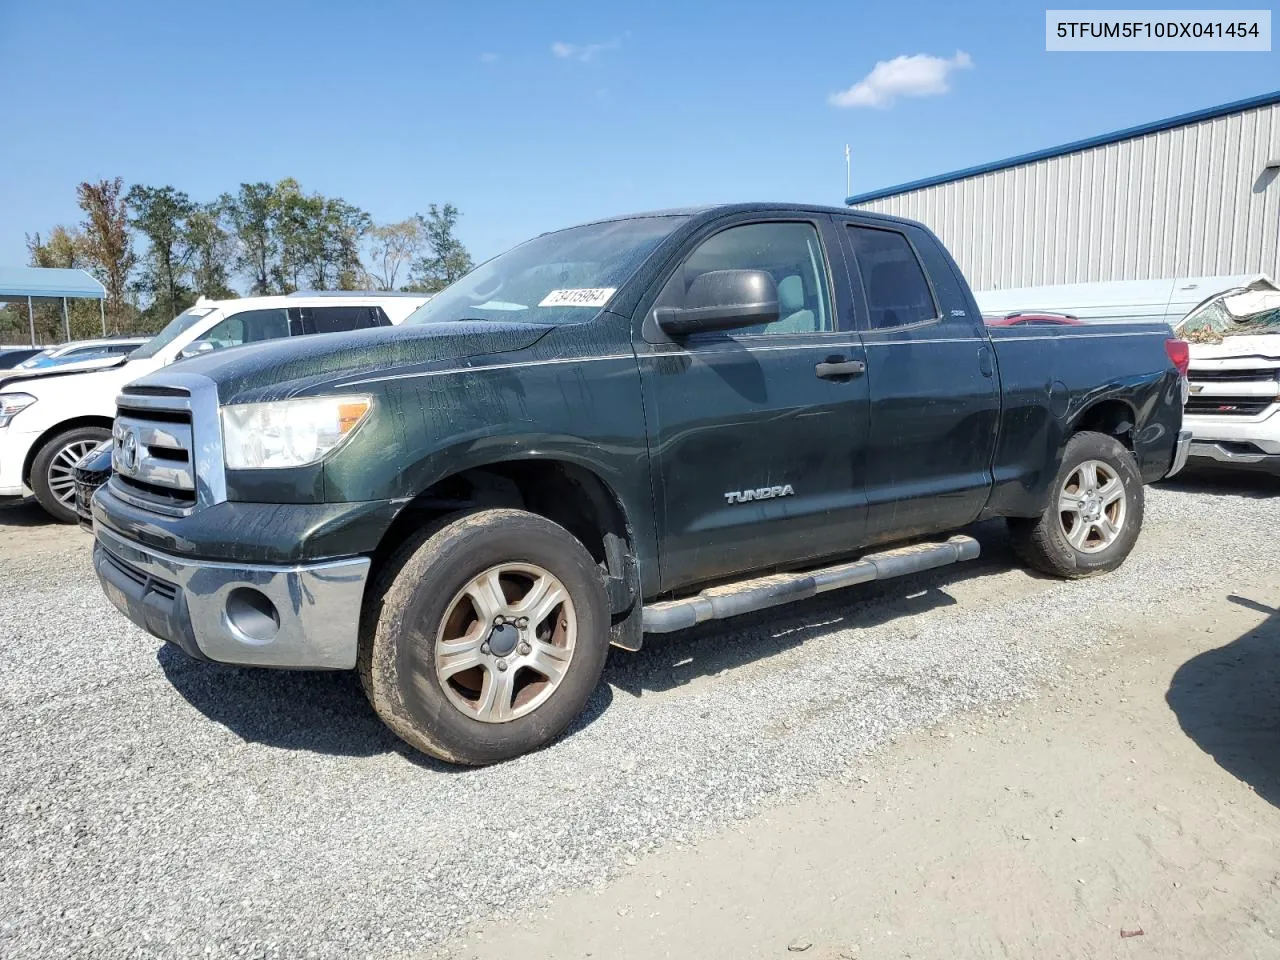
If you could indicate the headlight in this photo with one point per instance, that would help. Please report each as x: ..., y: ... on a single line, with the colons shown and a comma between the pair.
x: 288, y: 433
x: 12, y: 404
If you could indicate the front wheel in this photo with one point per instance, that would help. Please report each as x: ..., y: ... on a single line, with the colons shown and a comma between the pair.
x: 1094, y: 513
x: 51, y: 479
x: 485, y: 636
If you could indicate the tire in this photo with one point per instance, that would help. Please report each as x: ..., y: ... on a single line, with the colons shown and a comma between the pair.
x: 428, y: 601
x: 51, y: 470
x: 1070, y: 539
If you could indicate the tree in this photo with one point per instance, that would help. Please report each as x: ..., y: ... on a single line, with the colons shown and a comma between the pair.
x: 318, y: 239
x: 446, y: 259
x: 249, y: 214
x: 160, y: 215
x: 107, y: 243
x: 212, y: 251
x: 393, y: 247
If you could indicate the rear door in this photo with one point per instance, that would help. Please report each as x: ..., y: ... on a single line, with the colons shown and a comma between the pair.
x: 757, y: 458
x: 934, y: 393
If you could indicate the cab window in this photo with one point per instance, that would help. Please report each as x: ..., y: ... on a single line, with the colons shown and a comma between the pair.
x: 898, y: 295
x: 790, y: 253
x: 248, y: 326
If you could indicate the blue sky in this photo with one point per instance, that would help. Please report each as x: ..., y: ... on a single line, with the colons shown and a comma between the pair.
x: 531, y: 116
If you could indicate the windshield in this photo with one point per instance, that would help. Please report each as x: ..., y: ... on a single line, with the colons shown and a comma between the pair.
x: 1233, y: 313
x: 175, y: 328
x: 562, y: 277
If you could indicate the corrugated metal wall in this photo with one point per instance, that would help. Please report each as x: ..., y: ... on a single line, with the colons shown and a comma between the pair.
x: 1191, y: 201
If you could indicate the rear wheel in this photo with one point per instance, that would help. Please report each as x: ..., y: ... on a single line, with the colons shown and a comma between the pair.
x: 51, y: 478
x: 487, y: 636
x: 1094, y: 513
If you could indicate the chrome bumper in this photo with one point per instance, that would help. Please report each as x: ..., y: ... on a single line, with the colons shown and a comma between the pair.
x: 1181, y: 451
x: 300, y: 616
x: 1219, y: 452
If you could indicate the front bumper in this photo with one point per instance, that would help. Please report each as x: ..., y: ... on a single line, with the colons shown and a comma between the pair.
x: 14, y: 448
x: 303, y: 616
x: 1181, y: 450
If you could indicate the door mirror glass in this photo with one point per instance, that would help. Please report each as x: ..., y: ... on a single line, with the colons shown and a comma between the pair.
x: 722, y: 300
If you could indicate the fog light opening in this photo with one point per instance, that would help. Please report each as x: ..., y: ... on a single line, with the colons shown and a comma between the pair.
x: 252, y: 615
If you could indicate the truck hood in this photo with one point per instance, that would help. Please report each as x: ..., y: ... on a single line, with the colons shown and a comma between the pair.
x: 1263, y: 346
x: 283, y: 368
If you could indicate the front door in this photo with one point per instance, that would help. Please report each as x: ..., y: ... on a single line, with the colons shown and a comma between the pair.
x: 757, y: 447
x: 935, y: 395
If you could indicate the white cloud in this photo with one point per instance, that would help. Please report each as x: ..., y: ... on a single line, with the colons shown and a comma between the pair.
x: 582, y: 51
x: 917, y: 76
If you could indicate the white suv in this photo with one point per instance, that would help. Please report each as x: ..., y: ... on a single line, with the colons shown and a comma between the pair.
x: 48, y: 423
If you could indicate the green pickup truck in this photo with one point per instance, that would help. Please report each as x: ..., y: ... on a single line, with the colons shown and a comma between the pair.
x: 620, y: 428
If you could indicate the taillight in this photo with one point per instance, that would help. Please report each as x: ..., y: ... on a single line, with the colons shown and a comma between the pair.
x: 1179, y: 352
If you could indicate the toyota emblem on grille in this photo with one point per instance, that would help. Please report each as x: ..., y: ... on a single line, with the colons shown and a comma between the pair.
x: 129, y: 451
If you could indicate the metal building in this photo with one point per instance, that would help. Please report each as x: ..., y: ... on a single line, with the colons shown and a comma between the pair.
x: 1194, y: 195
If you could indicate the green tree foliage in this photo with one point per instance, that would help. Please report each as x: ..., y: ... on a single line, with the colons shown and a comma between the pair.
x: 108, y: 245
x: 275, y: 237
x: 160, y: 215
x: 393, y: 247
x: 445, y: 259
x: 213, y: 251
x: 250, y: 216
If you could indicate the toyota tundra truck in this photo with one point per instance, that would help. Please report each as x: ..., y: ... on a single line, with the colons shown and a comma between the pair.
x: 620, y: 428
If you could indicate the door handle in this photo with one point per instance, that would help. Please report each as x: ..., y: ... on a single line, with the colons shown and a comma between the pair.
x: 837, y: 367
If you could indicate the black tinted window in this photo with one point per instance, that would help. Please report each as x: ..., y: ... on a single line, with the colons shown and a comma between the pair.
x: 898, y: 294
x: 339, y: 319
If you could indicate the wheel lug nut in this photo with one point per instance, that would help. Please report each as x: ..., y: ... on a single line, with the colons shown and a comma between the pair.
x: 524, y: 649
x: 522, y: 622
x: 499, y: 620
x: 484, y: 647
x: 502, y: 664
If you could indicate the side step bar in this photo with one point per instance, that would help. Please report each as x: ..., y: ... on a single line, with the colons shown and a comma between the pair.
x: 748, y: 596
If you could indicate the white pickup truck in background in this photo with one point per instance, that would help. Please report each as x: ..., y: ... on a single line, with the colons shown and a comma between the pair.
x: 1233, y: 326
x: 49, y: 422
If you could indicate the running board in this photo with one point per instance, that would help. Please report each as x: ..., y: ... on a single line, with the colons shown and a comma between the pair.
x: 748, y: 596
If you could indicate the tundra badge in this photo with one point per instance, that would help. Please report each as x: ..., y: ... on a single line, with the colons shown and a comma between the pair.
x: 760, y: 493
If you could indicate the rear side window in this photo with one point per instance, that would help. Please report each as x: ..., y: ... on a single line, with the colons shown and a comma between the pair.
x: 341, y: 319
x: 898, y: 294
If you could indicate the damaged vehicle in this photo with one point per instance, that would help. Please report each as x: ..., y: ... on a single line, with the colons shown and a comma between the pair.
x: 622, y: 428
x: 1233, y: 410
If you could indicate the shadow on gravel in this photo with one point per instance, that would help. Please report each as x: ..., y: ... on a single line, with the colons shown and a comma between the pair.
x: 317, y: 711
x: 1239, y: 483
x: 1228, y: 701
x: 675, y: 659
x: 25, y: 513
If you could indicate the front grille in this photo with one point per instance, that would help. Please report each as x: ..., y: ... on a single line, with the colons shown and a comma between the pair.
x: 148, y: 583
x: 1231, y: 376
x: 152, y: 450
x: 1229, y: 406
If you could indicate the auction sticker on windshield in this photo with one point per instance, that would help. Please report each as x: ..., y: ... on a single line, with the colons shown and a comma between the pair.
x: 580, y: 297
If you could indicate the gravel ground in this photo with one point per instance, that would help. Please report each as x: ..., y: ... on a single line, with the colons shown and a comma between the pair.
x: 151, y: 806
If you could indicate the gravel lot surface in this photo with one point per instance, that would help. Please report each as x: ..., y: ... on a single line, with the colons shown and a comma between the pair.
x: 153, y: 806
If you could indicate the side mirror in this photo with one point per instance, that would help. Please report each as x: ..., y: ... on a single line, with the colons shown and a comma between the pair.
x: 722, y: 300
x: 195, y: 348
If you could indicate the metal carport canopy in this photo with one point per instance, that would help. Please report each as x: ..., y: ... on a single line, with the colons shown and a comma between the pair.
x: 56, y: 282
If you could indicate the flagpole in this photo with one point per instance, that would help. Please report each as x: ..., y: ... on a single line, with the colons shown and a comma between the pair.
x: 848, y: 173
